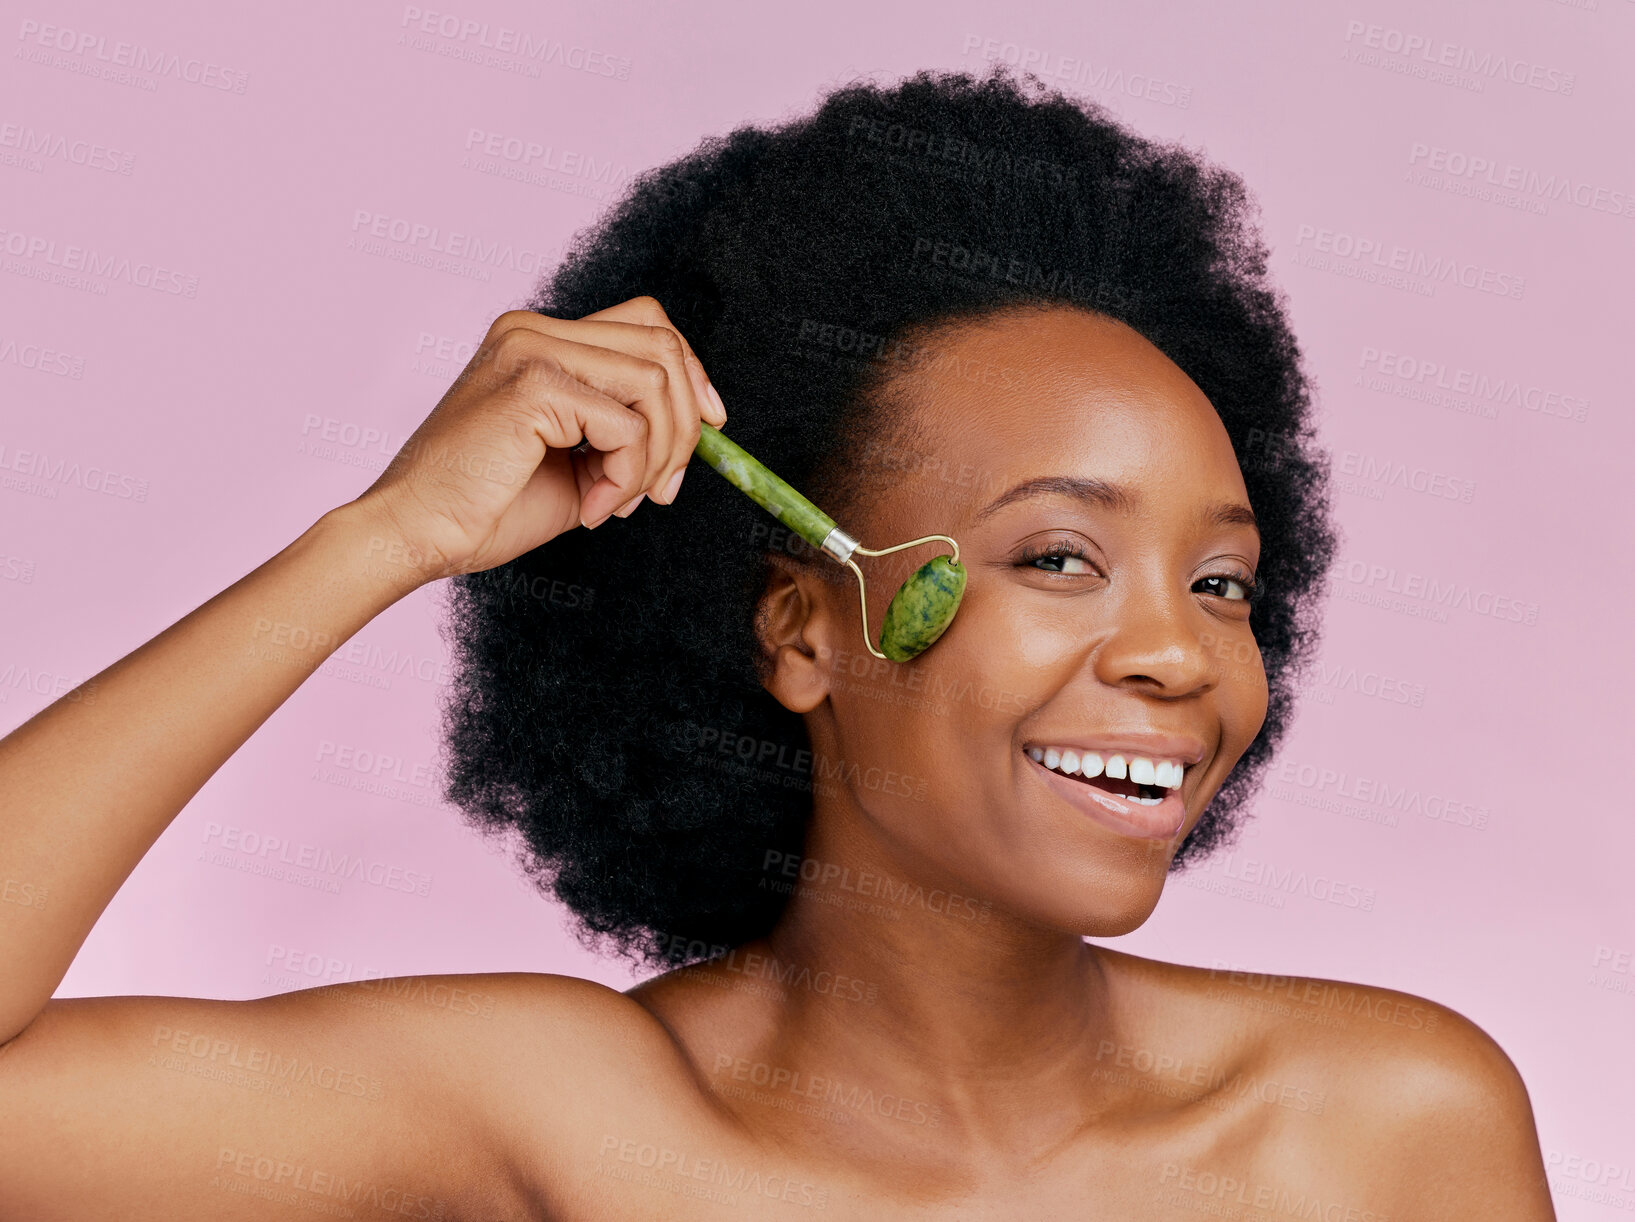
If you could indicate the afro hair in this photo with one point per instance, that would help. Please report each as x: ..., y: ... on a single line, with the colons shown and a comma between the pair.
x: 585, y: 669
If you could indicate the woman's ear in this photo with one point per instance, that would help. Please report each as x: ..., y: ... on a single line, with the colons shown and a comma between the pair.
x: 795, y: 627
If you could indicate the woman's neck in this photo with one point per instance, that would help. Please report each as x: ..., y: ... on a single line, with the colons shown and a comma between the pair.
x: 919, y: 989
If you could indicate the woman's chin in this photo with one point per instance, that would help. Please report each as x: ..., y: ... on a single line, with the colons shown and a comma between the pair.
x: 1109, y: 905
x: 1114, y: 921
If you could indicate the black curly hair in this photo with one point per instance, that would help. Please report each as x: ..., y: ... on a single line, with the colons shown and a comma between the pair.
x: 595, y: 676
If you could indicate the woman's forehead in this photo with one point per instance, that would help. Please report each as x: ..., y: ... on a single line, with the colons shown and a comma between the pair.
x: 1059, y: 391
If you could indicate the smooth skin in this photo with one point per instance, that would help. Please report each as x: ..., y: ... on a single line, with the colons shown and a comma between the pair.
x: 925, y: 1034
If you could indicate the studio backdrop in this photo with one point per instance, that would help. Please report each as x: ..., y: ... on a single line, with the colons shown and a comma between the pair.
x: 244, y: 253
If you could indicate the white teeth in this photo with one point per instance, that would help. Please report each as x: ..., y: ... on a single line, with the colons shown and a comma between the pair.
x: 1144, y: 801
x: 1138, y: 769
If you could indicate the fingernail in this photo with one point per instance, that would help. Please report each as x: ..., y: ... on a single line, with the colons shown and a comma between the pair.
x: 673, y: 487
x: 701, y: 384
x: 630, y: 508
x: 715, y: 398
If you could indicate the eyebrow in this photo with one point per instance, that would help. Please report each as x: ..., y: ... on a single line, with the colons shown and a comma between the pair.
x: 1107, y: 496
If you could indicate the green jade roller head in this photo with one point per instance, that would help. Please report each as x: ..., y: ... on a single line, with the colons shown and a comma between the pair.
x: 921, y: 610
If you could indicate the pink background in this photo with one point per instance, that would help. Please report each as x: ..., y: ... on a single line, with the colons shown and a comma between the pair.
x: 1499, y: 885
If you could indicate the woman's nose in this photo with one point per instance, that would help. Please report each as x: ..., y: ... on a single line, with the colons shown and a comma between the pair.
x: 1157, y: 644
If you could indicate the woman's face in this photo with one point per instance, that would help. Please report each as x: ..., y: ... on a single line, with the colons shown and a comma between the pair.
x: 1106, y: 532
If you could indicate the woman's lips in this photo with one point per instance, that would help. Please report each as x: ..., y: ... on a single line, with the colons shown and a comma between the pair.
x: 1158, y: 822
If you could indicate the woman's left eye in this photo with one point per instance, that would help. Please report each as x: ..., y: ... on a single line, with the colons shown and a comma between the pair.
x: 1222, y: 586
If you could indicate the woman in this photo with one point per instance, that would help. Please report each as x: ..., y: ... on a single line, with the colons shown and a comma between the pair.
x: 955, y: 306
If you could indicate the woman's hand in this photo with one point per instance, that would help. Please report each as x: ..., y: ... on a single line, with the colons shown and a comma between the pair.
x: 493, y: 471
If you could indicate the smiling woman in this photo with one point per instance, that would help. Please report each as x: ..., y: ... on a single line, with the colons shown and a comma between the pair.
x: 1123, y: 583
x: 877, y: 320
x: 870, y: 882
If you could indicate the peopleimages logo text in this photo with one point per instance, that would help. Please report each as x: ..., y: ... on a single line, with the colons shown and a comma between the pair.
x: 1405, y: 259
x: 1517, y: 71
x: 135, y: 56
x: 74, y: 258
x: 507, y: 41
x: 1556, y: 188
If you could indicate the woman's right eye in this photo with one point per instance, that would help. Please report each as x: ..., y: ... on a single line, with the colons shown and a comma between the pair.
x: 1059, y: 554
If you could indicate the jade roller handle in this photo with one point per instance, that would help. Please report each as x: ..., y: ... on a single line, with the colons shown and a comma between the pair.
x: 746, y: 473
x: 921, y: 609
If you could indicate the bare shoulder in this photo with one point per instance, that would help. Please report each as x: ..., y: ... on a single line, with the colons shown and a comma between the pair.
x: 559, y: 1046
x: 1408, y: 1101
x: 1441, y: 1108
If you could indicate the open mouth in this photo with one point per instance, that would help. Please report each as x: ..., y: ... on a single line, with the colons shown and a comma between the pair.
x: 1133, y: 795
x: 1147, y: 795
x: 1139, y: 779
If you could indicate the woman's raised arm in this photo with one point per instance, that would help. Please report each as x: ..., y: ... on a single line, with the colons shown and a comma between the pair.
x: 89, y: 783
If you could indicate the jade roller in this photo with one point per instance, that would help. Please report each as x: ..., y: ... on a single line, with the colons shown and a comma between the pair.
x: 922, y: 608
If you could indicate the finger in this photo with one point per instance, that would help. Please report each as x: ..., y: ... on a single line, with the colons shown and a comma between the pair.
x: 587, y: 469
x: 587, y: 466
x: 706, y: 402
x: 539, y: 505
x: 656, y: 340
x: 650, y: 311
x: 644, y: 385
x: 642, y: 330
x: 563, y: 412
